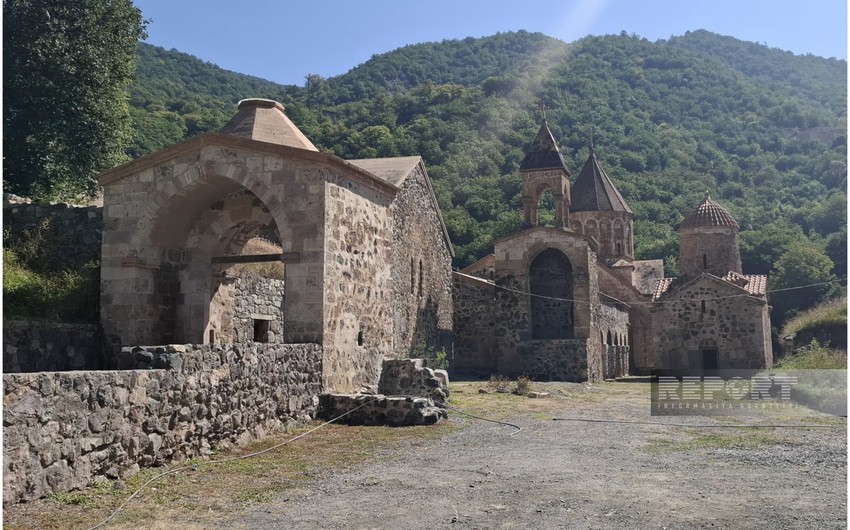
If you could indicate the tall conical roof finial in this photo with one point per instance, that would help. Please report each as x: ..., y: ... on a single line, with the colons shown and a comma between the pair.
x: 543, y: 153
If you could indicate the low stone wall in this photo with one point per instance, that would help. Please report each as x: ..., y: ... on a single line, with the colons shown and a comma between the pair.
x: 553, y: 360
x: 410, y: 377
x: 66, y: 430
x: 56, y: 347
x: 371, y: 409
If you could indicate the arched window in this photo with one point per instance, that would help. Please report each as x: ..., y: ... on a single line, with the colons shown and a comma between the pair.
x: 551, y: 283
x: 610, y: 339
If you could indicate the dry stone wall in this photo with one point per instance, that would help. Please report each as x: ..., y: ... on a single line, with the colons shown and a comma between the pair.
x: 239, y: 302
x: 72, y: 232
x: 410, y: 377
x: 474, y: 326
x: 66, y: 430
x: 44, y: 346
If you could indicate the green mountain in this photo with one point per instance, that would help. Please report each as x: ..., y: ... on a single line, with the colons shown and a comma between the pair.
x: 762, y: 129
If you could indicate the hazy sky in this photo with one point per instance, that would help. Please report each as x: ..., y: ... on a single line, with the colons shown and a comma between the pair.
x: 284, y: 40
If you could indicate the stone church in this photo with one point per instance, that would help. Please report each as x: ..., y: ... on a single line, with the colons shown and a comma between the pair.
x: 365, y: 262
x: 570, y: 302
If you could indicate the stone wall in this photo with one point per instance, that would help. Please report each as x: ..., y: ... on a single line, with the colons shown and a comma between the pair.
x: 474, y: 326
x: 65, y: 430
x: 554, y: 360
x: 73, y: 233
x: 707, y: 314
x: 410, y: 377
x: 241, y: 301
x: 358, y: 293
x: 56, y: 347
x: 422, y: 269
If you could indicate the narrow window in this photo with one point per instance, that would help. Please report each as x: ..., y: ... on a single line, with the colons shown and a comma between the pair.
x: 412, y: 277
x: 212, y: 336
x: 261, y: 330
x: 702, y: 305
x: 704, y: 261
x: 619, y: 249
x: 360, y: 338
x: 421, y: 277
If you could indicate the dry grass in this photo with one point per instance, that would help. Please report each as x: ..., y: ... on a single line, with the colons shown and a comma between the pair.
x: 832, y: 313
x: 194, y: 498
x: 268, y: 269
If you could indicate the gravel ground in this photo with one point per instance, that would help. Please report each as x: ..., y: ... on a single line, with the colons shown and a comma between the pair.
x: 568, y: 474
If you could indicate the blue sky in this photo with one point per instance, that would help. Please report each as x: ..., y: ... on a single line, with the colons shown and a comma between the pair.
x: 284, y: 40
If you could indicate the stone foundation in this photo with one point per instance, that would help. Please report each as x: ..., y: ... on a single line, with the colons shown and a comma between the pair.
x: 410, y: 377
x: 66, y: 430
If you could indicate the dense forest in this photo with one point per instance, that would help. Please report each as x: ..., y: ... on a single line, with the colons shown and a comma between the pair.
x: 762, y: 129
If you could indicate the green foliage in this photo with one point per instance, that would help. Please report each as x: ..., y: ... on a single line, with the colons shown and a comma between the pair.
x: 36, y: 284
x: 814, y: 356
x: 828, y: 314
x: 803, y: 277
x: 67, y: 66
x: 763, y: 130
x: 67, y: 296
x: 435, y: 358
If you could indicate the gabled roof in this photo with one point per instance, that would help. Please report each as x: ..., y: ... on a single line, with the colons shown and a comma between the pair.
x: 751, y: 284
x: 264, y: 120
x: 394, y: 171
x: 594, y: 191
x: 708, y: 214
x: 543, y: 152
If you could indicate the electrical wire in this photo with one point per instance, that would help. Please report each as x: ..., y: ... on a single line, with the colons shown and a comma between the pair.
x: 517, y: 427
x: 656, y: 302
x: 224, y: 461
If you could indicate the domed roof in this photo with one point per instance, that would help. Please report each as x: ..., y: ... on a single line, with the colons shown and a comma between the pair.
x: 709, y: 214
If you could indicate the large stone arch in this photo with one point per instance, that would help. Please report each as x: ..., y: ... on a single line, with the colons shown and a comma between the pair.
x: 155, y: 273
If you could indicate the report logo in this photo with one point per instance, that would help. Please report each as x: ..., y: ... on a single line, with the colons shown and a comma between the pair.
x: 722, y: 392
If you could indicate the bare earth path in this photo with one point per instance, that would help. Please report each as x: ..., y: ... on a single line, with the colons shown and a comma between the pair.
x: 468, y: 474
x: 566, y: 474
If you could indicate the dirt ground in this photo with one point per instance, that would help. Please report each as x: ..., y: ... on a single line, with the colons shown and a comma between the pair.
x: 711, y: 472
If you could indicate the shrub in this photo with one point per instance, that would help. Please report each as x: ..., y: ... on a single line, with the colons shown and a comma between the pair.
x: 832, y: 313
x: 814, y: 356
x: 522, y: 386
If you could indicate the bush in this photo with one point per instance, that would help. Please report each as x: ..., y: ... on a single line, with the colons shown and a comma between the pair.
x: 832, y: 313
x: 814, y: 356
x: 522, y: 386
x: 69, y: 296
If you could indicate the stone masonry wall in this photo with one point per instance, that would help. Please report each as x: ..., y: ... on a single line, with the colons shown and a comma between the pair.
x: 422, y: 269
x: 358, y: 319
x: 474, y: 326
x: 66, y: 430
x: 410, y: 377
x: 44, y: 346
x: 241, y: 300
x: 73, y: 232
x: 711, y: 314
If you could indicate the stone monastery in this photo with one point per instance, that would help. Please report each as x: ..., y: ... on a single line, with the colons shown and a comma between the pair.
x: 367, y: 265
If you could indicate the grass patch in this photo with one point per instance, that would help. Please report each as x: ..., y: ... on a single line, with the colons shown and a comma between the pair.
x: 708, y: 441
x: 832, y: 313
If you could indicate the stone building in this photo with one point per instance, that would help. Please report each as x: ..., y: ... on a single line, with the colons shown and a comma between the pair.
x: 712, y: 316
x: 367, y: 258
x: 570, y: 302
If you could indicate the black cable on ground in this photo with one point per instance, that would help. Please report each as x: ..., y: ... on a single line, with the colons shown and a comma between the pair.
x: 224, y: 461
x: 701, y: 426
x: 517, y: 427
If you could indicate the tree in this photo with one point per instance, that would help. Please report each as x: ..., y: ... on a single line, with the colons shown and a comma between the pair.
x: 67, y: 67
x: 803, y: 277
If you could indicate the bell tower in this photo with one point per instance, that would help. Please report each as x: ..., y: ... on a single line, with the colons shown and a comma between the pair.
x: 543, y: 169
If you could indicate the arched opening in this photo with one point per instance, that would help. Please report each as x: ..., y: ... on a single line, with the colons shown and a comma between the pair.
x: 610, y: 341
x: 546, y: 207
x: 551, y: 286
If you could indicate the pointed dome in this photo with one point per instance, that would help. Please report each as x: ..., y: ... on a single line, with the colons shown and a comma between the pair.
x: 594, y: 191
x: 709, y: 214
x: 543, y: 152
x: 263, y: 120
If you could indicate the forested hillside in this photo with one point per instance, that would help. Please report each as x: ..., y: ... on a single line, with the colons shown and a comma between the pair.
x: 762, y: 129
